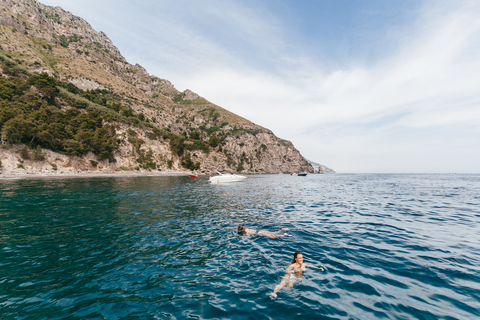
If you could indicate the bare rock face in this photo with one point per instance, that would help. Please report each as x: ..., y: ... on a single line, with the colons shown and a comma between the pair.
x: 85, y: 84
x: 190, y: 95
x: 50, y: 39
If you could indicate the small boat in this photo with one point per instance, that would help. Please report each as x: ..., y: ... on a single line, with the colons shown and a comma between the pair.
x: 226, y: 177
x: 193, y: 176
x: 301, y: 174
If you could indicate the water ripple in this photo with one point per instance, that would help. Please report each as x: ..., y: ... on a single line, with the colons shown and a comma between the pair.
x: 393, y: 246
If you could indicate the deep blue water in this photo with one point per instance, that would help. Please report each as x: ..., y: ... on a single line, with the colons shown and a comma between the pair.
x: 394, y: 247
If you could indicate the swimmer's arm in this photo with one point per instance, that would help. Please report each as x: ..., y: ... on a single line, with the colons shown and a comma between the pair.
x: 290, y: 269
x: 312, y: 266
x: 283, y: 229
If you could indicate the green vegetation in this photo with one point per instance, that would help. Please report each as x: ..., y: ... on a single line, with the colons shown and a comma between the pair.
x: 210, y: 130
x: 177, y: 145
x: 34, y: 118
x: 55, y: 17
x: 196, y: 142
x: 195, y: 135
x: 286, y: 143
x: 197, y: 145
x: 146, y: 160
x: 250, y: 131
x: 178, y: 98
x: 230, y: 161
x: 240, y: 167
x: 210, y: 112
x: 37, y: 154
x: 188, y: 163
x: 24, y: 154
x: 65, y: 41
x: 213, y: 141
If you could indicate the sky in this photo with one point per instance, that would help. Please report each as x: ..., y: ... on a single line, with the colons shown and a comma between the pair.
x: 369, y: 86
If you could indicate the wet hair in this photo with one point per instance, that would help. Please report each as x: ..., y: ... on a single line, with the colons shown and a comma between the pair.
x: 295, y: 256
x: 241, y: 228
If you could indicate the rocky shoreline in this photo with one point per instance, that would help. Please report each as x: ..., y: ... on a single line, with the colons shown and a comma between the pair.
x: 23, y: 174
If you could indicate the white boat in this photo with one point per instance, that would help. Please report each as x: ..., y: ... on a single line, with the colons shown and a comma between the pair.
x: 226, y: 177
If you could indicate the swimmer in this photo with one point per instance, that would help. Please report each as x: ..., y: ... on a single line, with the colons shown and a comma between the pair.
x: 269, y: 234
x: 294, y: 273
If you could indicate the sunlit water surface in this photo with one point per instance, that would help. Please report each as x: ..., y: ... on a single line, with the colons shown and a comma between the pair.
x: 394, y: 247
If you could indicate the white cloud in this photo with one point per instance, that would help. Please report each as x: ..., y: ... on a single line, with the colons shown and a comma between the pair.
x: 431, y: 83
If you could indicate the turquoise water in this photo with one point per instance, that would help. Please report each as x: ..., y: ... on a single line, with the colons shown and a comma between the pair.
x: 394, y: 247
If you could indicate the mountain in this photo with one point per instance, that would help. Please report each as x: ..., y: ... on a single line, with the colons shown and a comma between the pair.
x: 320, y: 168
x: 70, y: 101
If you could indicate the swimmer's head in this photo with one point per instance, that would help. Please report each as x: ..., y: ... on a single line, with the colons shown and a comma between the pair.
x: 296, y: 255
x: 241, y: 229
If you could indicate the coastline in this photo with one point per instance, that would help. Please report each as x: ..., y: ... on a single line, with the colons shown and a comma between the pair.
x: 23, y: 174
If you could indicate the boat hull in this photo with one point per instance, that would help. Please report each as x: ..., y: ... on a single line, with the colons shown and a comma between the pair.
x: 227, y: 178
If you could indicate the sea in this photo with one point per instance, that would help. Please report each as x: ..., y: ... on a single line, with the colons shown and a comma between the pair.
x: 393, y: 246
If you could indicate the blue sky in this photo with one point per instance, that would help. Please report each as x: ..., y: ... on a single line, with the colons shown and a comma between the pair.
x: 359, y: 86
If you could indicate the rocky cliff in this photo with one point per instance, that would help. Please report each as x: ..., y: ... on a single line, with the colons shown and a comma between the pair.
x: 320, y: 168
x: 155, y: 127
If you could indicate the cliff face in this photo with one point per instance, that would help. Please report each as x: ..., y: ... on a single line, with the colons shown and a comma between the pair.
x: 40, y: 39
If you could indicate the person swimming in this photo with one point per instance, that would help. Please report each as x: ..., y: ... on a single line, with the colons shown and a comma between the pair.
x: 269, y: 234
x: 294, y: 273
